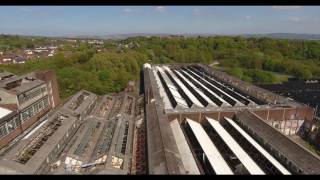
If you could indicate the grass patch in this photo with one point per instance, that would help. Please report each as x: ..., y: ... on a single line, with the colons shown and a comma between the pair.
x: 255, y: 75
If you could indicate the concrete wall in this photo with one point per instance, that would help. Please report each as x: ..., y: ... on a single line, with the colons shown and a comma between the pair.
x: 163, y: 154
x: 282, y: 114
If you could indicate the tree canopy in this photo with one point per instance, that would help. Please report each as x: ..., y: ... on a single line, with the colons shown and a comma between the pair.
x: 251, y: 59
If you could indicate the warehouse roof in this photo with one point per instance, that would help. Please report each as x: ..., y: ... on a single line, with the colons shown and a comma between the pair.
x: 303, y: 159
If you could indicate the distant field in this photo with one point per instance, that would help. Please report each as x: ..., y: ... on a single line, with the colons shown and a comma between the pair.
x: 279, y: 76
x: 256, y: 76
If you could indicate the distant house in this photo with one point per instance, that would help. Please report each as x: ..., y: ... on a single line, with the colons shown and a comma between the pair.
x: 52, y: 47
x: 41, y: 49
x: 29, y: 52
x: 19, y: 60
x: 96, y: 42
x: 71, y: 40
x: 6, y: 59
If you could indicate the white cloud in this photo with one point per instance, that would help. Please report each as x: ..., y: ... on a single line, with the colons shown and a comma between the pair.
x: 286, y: 7
x: 160, y: 9
x: 248, y: 17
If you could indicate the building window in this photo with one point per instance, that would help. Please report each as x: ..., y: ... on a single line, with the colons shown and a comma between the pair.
x: 27, y: 114
x: 45, y: 102
x: 30, y: 111
x: 36, y: 108
x: 17, y: 120
x: 11, y: 125
x: 40, y: 105
x: 3, y: 131
x: 23, y: 116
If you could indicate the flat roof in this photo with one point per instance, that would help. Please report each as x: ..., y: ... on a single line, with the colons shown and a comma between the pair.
x: 24, y: 86
x: 215, y: 158
x: 5, y: 73
x: 35, y: 162
x: 4, y: 112
x: 163, y: 153
x: 83, y: 105
x: 27, y: 86
x: 245, y: 159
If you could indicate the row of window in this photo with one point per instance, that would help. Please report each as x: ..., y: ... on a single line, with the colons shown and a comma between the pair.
x: 9, y: 126
x: 34, y: 109
x: 26, y: 97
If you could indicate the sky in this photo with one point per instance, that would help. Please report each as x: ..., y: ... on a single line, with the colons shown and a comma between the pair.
x: 109, y: 20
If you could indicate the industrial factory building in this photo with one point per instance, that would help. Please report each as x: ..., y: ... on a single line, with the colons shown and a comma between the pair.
x: 187, y: 119
x: 24, y: 100
x: 89, y: 134
x: 202, y: 121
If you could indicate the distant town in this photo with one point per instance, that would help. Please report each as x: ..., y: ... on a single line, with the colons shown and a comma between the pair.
x: 20, y: 56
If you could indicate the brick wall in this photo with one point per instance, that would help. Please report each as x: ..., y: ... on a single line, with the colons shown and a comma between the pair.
x: 50, y: 76
x: 9, y: 137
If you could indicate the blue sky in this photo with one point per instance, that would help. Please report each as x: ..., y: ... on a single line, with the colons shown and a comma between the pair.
x: 106, y: 20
